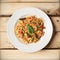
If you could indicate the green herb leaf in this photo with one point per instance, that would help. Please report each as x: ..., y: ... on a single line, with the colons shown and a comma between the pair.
x: 30, y: 29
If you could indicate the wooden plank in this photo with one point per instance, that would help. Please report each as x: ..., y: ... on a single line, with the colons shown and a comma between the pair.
x: 56, y: 23
x: 4, y: 21
x: 49, y: 8
x: 18, y: 55
x: 29, y: 0
x: 59, y: 54
x: 55, y: 41
x: 5, y: 43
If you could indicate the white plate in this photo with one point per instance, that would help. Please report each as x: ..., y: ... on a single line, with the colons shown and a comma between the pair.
x: 28, y: 11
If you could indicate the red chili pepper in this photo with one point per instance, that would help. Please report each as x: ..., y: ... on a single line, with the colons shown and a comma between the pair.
x: 20, y: 32
x: 43, y: 27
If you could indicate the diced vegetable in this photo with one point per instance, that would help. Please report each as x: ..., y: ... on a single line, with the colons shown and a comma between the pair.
x: 42, y: 27
x: 20, y: 32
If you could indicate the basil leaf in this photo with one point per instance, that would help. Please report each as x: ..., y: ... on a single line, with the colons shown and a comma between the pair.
x: 30, y: 29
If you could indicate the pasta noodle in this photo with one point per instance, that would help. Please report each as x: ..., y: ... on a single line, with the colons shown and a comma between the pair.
x: 29, y: 29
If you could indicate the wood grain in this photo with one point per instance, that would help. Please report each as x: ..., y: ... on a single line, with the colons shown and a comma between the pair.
x: 56, y: 23
x: 49, y: 8
x: 55, y: 41
x: 18, y: 55
x: 29, y: 0
x: 5, y: 43
x: 4, y: 21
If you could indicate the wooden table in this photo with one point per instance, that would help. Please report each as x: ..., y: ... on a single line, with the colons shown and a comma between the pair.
x: 8, y: 51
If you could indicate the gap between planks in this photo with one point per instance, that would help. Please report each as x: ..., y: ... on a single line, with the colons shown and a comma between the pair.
x: 17, y: 49
x: 11, y: 15
x: 30, y: 2
x: 14, y: 1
